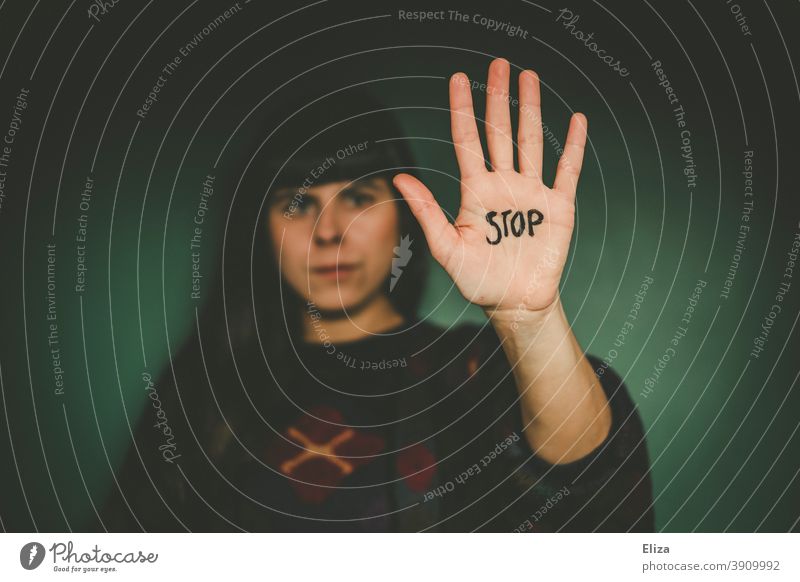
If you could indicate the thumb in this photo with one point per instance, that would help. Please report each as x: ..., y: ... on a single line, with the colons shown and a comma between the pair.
x: 440, y: 234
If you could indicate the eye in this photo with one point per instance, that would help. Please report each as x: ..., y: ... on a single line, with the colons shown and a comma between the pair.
x: 296, y: 204
x: 302, y: 203
x: 358, y: 199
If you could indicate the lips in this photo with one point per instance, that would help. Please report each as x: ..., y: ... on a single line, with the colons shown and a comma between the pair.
x: 334, y: 271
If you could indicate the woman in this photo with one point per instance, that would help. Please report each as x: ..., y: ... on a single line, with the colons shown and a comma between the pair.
x: 310, y: 397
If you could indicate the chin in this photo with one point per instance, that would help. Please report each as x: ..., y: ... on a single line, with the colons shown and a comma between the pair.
x: 337, y: 301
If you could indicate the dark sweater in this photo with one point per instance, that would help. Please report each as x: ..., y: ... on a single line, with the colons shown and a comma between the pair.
x: 413, y: 431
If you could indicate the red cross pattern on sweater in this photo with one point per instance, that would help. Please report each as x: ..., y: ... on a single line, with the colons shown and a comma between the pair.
x: 318, y: 453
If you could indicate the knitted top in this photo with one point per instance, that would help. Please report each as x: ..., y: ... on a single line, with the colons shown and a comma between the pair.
x: 418, y: 430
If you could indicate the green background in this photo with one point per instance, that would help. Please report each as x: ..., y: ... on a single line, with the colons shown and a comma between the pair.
x: 721, y: 425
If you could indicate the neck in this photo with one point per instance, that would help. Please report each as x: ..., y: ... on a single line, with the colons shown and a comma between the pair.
x: 377, y: 316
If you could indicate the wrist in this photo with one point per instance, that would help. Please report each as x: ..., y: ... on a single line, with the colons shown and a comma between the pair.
x: 507, y: 321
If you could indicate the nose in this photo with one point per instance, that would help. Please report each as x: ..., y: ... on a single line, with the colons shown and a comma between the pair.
x: 328, y: 229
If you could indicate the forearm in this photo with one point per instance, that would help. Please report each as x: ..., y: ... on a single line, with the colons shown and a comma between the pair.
x: 563, y: 406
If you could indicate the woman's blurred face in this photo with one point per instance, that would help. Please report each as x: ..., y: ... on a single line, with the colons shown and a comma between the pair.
x: 335, y: 242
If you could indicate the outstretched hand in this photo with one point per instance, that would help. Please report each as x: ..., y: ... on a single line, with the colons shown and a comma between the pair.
x: 507, y: 248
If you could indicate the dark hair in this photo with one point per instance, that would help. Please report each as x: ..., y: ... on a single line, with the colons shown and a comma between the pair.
x: 329, y: 131
x: 299, y: 141
x: 227, y: 378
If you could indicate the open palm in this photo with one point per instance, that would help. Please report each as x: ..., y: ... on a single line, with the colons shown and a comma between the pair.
x: 507, y: 247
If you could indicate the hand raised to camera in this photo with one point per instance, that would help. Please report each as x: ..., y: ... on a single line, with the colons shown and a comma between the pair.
x: 507, y: 248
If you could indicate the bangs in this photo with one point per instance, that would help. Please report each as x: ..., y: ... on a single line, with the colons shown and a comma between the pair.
x: 342, y: 137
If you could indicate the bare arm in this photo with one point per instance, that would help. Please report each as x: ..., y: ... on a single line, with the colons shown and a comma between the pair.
x: 506, y: 252
x: 564, y: 408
